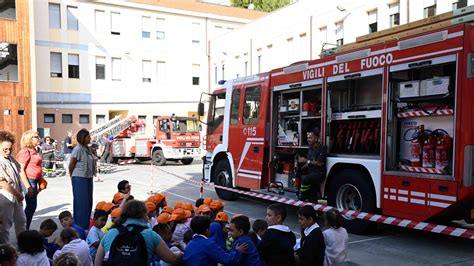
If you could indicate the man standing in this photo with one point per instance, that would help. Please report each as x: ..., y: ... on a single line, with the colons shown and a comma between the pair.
x: 67, y: 149
x: 315, y: 166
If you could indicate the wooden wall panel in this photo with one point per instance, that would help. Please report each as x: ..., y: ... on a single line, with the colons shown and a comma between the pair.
x: 16, y: 96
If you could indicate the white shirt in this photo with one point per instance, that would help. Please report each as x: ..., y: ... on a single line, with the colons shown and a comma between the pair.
x: 308, y: 230
x: 336, y: 245
x: 39, y: 259
x: 79, y: 248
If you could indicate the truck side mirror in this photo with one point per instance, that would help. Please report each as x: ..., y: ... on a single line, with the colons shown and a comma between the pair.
x: 200, y: 109
x: 200, y: 127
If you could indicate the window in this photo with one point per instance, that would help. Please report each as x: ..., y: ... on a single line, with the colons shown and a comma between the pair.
x: 430, y: 8
x: 340, y: 33
x: 394, y: 11
x: 196, y: 28
x: 48, y: 118
x: 215, y: 75
x: 8, y: 9
x: 373, y: 21
x: 459, y: 4
x: 100, y: 67
x: 246, y: 67
x: 146, y: 29
x: 54, y: 16
x: 8, y: 62
x: 67, y: 119
x: 196, y: 74
x: 100, y: 21
x: 160, y: 71
x: 83, y: 119
x: 252, y: 106
x: 73, y: 66
x: 160, y: 28
x: 72, y: 23
x: 259, y: 63
x: 56, y: 65
x: 116, y: 69
x: 146, y: 71
x: 234, y: 108
x: 100, y: 119
x: 114, y: 23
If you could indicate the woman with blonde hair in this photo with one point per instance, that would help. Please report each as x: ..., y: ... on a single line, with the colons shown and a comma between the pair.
x: 11, y: 194
x: 82, y: 168
x: 31, y: 171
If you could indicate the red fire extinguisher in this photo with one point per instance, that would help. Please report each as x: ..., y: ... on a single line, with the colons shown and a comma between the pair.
x: 416, y: 140
x: 429, y: 152
x: 306, y: 106
x: 443, y: 149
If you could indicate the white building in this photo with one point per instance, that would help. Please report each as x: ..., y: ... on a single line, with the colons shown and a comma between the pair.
x: 298, y: 31
x: 97, y: 59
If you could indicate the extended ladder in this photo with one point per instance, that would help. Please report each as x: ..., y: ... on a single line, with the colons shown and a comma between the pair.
x: 115, y: 127
x: 100, y: 128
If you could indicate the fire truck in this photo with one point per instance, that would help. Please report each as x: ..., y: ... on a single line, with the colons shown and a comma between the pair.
x: 395, y: 110
x: 175, y: 139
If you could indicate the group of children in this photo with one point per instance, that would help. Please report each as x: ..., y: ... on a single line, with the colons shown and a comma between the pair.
x: 202, y: 232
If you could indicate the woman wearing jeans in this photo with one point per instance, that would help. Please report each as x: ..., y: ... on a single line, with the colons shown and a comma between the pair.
x: 31, y: 171
x: 82, y: 168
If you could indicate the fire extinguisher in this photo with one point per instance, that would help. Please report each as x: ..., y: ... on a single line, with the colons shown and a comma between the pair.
x: 416, y: 141
x: 306, y: 107
x: 429, y: 149
x: 443, y: 149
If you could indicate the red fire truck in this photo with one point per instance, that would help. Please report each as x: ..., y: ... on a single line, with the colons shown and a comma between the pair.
x: 397, y: 118
x: 175, y: 139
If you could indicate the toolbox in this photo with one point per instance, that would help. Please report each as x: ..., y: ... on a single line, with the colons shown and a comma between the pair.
x: 409, y: 89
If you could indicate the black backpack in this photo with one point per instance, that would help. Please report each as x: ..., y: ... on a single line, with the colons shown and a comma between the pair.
x: 128, y: 247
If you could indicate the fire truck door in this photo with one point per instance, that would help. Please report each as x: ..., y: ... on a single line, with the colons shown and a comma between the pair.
x: 246, y: 135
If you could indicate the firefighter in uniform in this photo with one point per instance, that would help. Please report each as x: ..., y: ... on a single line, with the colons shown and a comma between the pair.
x: 315, y: 167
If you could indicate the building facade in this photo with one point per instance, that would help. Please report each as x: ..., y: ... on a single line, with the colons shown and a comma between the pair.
x: 303, y: 29
x: 99, y: 59
x: 16, y: 77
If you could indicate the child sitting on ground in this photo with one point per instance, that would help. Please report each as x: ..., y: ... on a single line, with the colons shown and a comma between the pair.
x: 216, y: 206
x: 239, y: 229
x: 66, y: 259
x: 259, y: 227
x: 311, y: 246
x: 203, y: 252
x: 218, y: 229
x: 276, y: 246
x: 114, y: 215
x: 75, y: 245
x: 67, y: 221
x: 95, y: 233
x: 8, y: 255
x: 30, y: 243
x: 47, y: 229
x: 151, y: 213
x: 336, y: 238
x: 179, y: 217
x: 204, y: 210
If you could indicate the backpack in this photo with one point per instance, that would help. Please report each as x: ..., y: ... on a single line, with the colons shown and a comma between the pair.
x: 128, y: 247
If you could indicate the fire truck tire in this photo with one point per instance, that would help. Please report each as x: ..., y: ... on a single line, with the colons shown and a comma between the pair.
x: 187, y: 161
x: 349, y: 190
x: 223, y: 177
x: 158, y: 158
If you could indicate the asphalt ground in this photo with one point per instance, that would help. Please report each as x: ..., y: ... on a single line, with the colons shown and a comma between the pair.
x: 388, y: 246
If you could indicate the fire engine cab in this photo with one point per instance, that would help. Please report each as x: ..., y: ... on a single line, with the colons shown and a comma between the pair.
x: 175, y: 139
x: 397, y: 116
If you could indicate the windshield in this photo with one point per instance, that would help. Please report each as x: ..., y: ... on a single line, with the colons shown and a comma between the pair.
x: 185, y: 125
x: 216, y: 111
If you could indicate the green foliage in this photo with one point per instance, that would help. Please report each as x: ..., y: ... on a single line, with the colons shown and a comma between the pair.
x: 261, y: 5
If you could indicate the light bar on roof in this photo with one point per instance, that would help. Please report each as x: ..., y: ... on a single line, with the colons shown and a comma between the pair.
x: 353, y: 56
x: 296, y: 68
x: 423, y: 40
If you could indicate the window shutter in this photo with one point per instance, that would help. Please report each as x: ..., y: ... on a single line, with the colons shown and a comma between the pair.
x: 54, y: 16
x: 394, y: 9
x: 373, y: 17
x: 115, y: 21
x: 73, y: 59
x: 56, y: 64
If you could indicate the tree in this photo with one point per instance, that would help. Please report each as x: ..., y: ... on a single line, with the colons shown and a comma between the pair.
x: 261, y: 5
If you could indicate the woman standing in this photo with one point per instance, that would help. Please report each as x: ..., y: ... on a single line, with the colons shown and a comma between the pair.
x: 47, y: 149
x: 82, y: 168
x: 11, y: 195
x: 31, y: 171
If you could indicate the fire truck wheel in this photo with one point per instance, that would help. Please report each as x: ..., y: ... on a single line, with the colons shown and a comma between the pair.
x: 158, y: 158
x: 349, y: 190
x: 187, y: 161
x: 223, y: 177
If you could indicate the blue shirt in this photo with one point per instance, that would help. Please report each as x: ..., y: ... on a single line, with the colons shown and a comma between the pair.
x: 217, y: 235
x: 95, y: 234
x: 205, y: 252
x: 80, y: 231
x: 251, y: 257
x: 50, y: 247
x: 152, y: 239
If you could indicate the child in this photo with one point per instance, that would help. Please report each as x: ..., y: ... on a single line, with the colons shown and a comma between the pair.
x: 95, y: 234
x: 167, y: 209
x: 259, y: 227
x: 114, y: 215
x: 239, y: 229
x: 151, y: 213
x: 30, y: 243
x: 203, y: 252
x: 75, y: 245
x: 276, y: 246
x: 336, y: 238
x: 66, y: 259
x: 204, y: 210
x: 217, y: 227
x: 163, y: 218
x: 199, y: 202
x: 8, y: 255
x: 179, y: 216
x: 216, y: 206
x: 164, y: 230
x: 311, y: 250
x: 47, y: 229
x: 65, y: 217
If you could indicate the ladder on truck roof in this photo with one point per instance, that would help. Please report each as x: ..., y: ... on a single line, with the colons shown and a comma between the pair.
x: 114, y: 126
x: 457, y: 16
x: 107, y: 124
